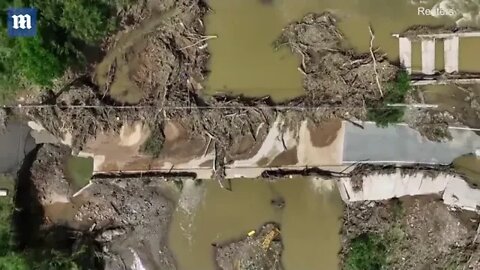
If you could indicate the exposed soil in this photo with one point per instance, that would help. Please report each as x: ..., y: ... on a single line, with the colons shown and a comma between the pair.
x: 420, y: 232
x: 286, y: 158
x: 126, y: 215
x: 130, y: 214
x: 261, y: 251
x: 47, y: 174
x: 319, y: 137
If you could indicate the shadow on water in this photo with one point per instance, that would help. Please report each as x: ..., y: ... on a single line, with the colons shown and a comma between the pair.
x: 28, y: 215
x: 45, y: 242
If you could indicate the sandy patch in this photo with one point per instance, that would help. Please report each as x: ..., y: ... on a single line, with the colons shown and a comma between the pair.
x: 132, y: 136
x: 288, y: 157
x: 324, y: 134
x: 67, y: 139
x: 35, y: 126
x: 271, y: 147
x: 247, y: 146
x: 116, y: 151
x: 173, y: 131
x: 309, y: 154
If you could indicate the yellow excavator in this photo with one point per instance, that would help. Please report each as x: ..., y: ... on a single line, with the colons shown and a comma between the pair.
x: 269, y: 238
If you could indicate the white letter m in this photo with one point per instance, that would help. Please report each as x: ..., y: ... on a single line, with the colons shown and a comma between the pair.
x: 22, y: 21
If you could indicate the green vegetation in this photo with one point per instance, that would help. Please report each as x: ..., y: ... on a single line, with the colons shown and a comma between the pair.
x: 38, y: 258
x: 367, y: 252
x: 395, y: 92
x: 65, y: 29
x: 79, y: 171
x: 375, y: 251
x: 154, y: 144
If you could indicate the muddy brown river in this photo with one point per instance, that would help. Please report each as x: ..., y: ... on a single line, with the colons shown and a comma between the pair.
x: 243, y: 60
x: 310, y: 220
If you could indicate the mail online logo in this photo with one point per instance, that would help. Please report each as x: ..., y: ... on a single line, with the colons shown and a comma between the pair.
x: 22, y: 22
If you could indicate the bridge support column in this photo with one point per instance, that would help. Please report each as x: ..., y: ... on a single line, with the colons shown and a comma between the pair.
x: 451, y: 46
x: 428, y: 56
x: 405, y: 53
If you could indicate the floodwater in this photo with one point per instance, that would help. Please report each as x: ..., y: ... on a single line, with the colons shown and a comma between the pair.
x: 310, y: 220
x: 470, y: 166
x: 455, y: 100
x: 122, y: 89
x: 78, y: 171
x: 243, y: 60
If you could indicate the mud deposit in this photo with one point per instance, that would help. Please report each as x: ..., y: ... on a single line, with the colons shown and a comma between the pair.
x: 132, y: 218
x: 129, y: 218
x: 469, y: 165
x: 417, y: 232
x: 462, y: 102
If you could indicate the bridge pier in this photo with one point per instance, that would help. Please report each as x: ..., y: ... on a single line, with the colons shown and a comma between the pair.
x: 405, y: 52
x: 428, y: 75
x: 451, y: 46
x: 428, y: 56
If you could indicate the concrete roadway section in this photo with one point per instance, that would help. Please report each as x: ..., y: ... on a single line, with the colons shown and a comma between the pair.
x: 401, y: 144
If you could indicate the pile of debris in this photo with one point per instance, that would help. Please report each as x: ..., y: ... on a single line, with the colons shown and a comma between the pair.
x: 258, y: 251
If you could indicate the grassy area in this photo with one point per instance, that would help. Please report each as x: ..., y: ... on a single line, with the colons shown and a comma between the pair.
x: 375, y: 251
x: 79, y: 171
x: 395, y: 93
x: 367, y: 252
x: 65, y: 29
x: 7, y: 182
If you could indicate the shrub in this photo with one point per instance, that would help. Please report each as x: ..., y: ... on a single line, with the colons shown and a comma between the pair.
x: 65, y: 28
x: 85, y: 20
x: 154, y: 143
x: 367, y: 252
x: 396, y: 91
x: 384, y: 116
x: 36, y: 63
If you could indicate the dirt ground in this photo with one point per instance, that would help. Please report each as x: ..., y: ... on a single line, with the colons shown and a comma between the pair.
x: 129, y: 218
x: 132, y: 216
x: 419, y: 232
x: 47, y: 174
x: 261, y: 251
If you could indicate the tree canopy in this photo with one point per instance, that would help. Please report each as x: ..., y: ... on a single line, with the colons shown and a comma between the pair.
x: 64, y: 29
